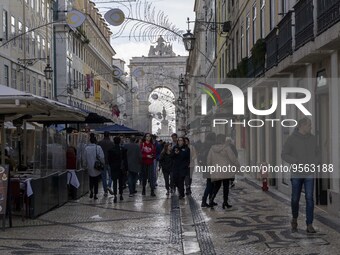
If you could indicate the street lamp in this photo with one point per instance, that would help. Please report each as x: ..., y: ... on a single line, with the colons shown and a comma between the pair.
x: 48, y: 70
x: 24, y: 62
x: 189, y: 39
x: 87, y: 93
x: 181, y: 84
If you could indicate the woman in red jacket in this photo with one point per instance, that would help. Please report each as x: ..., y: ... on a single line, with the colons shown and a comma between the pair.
x: 148, y: 155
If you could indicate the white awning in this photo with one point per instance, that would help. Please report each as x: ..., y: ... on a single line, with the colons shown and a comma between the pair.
x: 15, y: 104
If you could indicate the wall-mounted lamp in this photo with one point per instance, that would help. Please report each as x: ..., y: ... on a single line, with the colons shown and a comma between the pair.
x: 87, y: 93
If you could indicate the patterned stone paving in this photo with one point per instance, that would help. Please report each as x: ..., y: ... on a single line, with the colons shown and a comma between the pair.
x: 258, y: 223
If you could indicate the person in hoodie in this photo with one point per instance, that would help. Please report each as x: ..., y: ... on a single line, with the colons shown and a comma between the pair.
x: 301, y: 148
x: 166, y: 163
x: 148, y: 155
x: 181, y: 157
x: 222, y: 154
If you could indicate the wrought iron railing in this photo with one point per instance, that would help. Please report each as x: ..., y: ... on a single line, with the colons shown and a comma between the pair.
x: 328, y: 14
x: 304, y: 22
x: 284, y: 37
x: 250, y: 68
x: 271, y: 49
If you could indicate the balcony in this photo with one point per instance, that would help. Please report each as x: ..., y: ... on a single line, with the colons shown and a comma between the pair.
x: 328, y: 14
x: 284, y: 37
x: 304, y: 23
x: 271, y: 48
x: 250, y: 68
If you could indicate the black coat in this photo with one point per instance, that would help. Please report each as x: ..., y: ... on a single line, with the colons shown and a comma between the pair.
x: 117, y: 160
x: 181, y: 161
x: 166, y: 161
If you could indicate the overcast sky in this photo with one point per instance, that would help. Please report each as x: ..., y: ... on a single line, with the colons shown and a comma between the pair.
x: 177, y: 12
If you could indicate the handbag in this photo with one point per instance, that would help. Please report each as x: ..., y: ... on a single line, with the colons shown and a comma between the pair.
x: 98, y: 164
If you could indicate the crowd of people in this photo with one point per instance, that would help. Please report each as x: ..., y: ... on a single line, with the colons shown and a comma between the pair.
x: 141, y: 160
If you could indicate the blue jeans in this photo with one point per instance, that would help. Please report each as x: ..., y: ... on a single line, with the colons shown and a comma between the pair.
x: 106, y: 173
x: 132, y: 179
x: 296, y: 193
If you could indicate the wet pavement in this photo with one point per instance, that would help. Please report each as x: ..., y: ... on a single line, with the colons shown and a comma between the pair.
x: 258, y: 223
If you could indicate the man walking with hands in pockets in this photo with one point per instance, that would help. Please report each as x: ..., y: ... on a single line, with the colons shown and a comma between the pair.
x: 301, y: 149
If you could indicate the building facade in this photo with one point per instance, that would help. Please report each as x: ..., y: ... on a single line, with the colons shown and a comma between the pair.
x: 35, y: 33
x: 84, y: 60
x: 294, y: 43
x: 24, y: 58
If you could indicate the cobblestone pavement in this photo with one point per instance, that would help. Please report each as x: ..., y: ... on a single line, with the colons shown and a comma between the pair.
x: 258, y: 223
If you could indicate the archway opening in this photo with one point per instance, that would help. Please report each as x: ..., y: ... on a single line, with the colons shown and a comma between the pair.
x: 162, y: 112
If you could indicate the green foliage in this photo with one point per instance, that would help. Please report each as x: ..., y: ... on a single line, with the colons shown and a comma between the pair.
x: 258, y: 53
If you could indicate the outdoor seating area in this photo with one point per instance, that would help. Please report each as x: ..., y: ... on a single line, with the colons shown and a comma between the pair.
x: 38, y: 155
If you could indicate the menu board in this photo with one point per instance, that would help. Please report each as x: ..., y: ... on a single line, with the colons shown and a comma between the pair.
x: 3, y: 189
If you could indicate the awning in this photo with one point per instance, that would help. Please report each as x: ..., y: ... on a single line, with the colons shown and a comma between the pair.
x: 15, y: 104
x: 92, y: 118
x: 117, y: 129
x: 9, y: 125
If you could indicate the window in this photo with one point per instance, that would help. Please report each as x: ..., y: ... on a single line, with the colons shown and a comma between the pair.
x: 272, y: 14
x: 263, y: 18
x: 242, y: 41
x: 39, y: 46
x: 237, y: 38
x: 32, y: 4
x: 19, y: 33
x: 28, y: 83
x: 232, y: 54
x: 21, y: 81
x: 14, y: 76
x: 33, y: 43
x: 5, y: 25
x: 44, y: 94
x: 49, y: 89
x: 34, y: 86
x: 38, y: 6
x: 13, y: 29
x: 6, y: 75
x: 43, y: 48
x: 254, y: 24
x: 284, y: 7
x: 39, y: 88
x: 248, y: 35
x: 27, y: 40
x: 43, y: 9
x: 48, y: 15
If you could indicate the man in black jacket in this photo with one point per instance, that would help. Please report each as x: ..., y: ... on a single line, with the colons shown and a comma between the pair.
x: 118, y: 165
x: 301, y: 149
x: 134, y: 160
